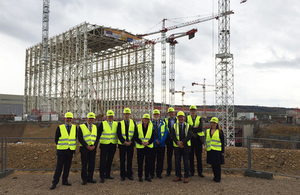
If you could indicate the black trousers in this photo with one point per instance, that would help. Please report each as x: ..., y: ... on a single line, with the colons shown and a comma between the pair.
x: 107, y: 153
x: 217, y: 172
x: 147, y: 155
x: 126, y: 151
x: 159, y: 155
x: 185, y: 154
x: 64, y: 160
x: 196, y: 148
x: 87, y: 163
x: 170, y: 149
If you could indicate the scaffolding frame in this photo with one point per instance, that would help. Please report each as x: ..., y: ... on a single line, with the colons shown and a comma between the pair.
x: 86, y: 67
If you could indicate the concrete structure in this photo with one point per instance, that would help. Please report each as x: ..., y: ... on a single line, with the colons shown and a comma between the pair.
x: 245, y: 116
x: 90, y: 68
x: 293, y: 116
x: 11, y: 104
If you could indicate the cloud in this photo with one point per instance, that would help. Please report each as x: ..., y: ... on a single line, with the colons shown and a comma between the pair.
x: 280, y: 64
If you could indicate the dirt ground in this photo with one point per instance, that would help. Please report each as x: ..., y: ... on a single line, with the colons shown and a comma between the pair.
x: 40, y: 182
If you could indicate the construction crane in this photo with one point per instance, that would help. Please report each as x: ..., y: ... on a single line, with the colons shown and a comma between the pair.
x: 204, y: 99
x: 163, y: 49
x: 183, y: 93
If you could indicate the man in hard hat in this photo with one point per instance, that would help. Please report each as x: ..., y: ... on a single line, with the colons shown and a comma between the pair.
x: 160, y: 134
x: 181, y: 135
x: 144, y: 145
x: 125, y: 131
x: 65, y: 139
x: 88, y: 138
x: 195, y: 123
x: 108, y: 142
x: 169, y: 142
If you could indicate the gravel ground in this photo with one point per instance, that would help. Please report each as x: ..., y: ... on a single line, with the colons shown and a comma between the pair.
x: 39, y: 183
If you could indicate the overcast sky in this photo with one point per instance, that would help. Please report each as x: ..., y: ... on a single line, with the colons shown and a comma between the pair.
x: 265, y: 42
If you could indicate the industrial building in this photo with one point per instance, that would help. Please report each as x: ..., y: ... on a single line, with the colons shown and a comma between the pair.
x: 11, y: 106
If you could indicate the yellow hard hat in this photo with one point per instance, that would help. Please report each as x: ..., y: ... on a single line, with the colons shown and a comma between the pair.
x: 180, y: 113
x: 156, y: 111
x: 147, y: 116
x: 110, y: 113
x: 193, y: 107
x: 171, y: 109
x: 214, y: 120
x: 69, y: 115
x: 127, y: 111
x: 91, y: 115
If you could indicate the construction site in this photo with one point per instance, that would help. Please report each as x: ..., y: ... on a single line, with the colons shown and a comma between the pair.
x: 94, y: 68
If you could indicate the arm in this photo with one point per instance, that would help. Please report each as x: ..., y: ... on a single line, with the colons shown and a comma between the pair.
x: 99, y: 132
x: 119, y: 133
x: 80, y: 138
x: 188, y: 137
x: 173, y: 135
x: 222, y: 140
x: 199, y: 128
x: 151, y: 139
x: 136, y: 137
x: 163, y: 139
x: 57, y: 135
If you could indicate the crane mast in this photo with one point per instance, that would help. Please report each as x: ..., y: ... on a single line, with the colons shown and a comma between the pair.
x: 224, y: 76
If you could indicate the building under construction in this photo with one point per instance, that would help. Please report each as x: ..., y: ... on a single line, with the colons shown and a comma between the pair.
x: 90, y: 68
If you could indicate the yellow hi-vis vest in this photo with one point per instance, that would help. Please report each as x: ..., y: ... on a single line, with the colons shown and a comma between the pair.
x: 145, y: 138
x: 109, y: 135
x: 65, y: 140
x: 130, y: 130
x: 176, y: 129
x: 214, y: 142
x: 167, y: 123
x: 197, y: 123
x: 89, y: 137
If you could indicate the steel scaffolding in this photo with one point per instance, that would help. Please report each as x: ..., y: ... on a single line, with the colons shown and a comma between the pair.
x: 90, y: 68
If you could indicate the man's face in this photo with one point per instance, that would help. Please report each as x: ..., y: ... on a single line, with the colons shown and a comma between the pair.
x: 171, y: 114
x: 126, y: 116
x: 181, y: 119
x: 90, y: 120
x: 156, y: 117
x: 68, y: 121
x: 193, y: 112
x: 110, y: 118
x: 145, y: 121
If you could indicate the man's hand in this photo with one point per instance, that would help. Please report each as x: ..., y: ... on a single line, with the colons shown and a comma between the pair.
x: 157, y: 142
x: 180, y: 144
x: 126, y: 143
x: 89, y: 147
x: 196, y: 126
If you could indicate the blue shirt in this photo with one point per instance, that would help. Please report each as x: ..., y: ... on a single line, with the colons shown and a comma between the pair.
x: 160, y: 138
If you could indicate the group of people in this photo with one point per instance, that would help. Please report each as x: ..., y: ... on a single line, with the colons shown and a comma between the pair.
x: 179, y: 135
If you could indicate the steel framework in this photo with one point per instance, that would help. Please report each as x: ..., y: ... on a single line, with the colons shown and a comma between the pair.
x: 224, y: 75
x: 88, y: 65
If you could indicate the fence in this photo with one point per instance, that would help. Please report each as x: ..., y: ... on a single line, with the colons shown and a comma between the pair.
x: 278, y: 157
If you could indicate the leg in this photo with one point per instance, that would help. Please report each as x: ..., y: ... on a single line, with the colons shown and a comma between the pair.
x: 67, y: 166
x: 217, y: 172
x: 160, y: 161
x: 140, y: 160
x: 103, y: 154
x: 122, y: 154
x: 192, y: 167
x: 130, y: 151
x: 110, y: 158
x: 186, y: 158
x: 149, y: 161
x: 198, y: 151
x: 84, y: 163
x: 91, y: 168
x: 177, y: 162
x: 59, y: 166
x: 169, y: 157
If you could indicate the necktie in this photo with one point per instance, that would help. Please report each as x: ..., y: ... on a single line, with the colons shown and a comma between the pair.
x: 156, y: 129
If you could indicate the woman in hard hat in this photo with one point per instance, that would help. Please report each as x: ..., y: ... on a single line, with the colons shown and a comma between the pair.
x: 215, y: 148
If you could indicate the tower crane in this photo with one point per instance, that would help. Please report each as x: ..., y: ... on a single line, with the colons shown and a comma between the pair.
x: 163, y: 50
x: 183, y: 93
x: 204, y: 101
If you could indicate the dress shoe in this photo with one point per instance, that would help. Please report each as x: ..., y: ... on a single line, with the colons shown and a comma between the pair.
x: 140, y: 179
x: 83, y: 183
x: 92, y: 181
x: 201, y: 175
x: 53, y: 187
x: 186, y: 180
x: 177, y: 179
x: 160, y: 177
x: 122, y: 178
x: 130, y: 178
x: 216, y: 180
x: 66, y: 183
x: 148, y: 179
x: 102, y: 180
x: 109, y: 177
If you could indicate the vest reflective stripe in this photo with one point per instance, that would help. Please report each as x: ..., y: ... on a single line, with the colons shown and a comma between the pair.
x: 130, y: 130
x: 89, y: 137
x: 176, y: 129
x: 162, y: 130
x: 65, y: 140
x: 109, y: 135
x: 145, y: 138
x: 197, y: 123
x: 214, y: 142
